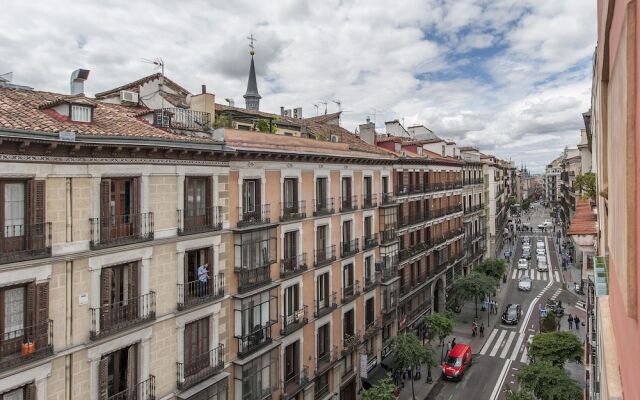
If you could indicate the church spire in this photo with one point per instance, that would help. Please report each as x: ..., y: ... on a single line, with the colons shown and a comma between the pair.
x: 252, y: 97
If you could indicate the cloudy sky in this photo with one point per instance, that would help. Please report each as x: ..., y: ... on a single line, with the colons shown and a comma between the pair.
x: 509, y: 76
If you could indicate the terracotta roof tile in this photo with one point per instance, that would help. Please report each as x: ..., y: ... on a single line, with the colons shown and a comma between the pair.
x: 584, y: 220
x: 135, y: 86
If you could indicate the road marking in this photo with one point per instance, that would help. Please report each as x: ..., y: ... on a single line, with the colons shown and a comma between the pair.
x: 544, y: 276
x: 513, y: 275
x: 487, y: 344
x: 501, y: 378
x: 496, y: 347
x: 538, y: 275
x: 580, y: 305
x: 507, y: 346
x: 557, y: 275
x: 516, y: 350
x: 525, y: 354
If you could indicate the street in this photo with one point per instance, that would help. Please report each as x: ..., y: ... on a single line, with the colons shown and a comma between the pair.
x: 503, y: 351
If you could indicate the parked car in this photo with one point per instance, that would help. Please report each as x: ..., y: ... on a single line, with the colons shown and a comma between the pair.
x: 457, y: 362
x: 525, y: 283
x: 542, y: 264
x: 512, y: 314
x: 523, y: 263
x: 525, y: 239
x: 540, y: 245
x: 540, y: 252
x: 526, y: 253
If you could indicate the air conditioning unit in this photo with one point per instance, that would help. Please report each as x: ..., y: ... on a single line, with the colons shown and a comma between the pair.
x: 334, y: 138
x: 128, y: 96
x: 297, y: 112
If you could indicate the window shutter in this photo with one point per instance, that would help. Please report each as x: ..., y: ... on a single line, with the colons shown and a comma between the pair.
x: 31, y: 307
x: 36, y: 213
x: 42, y: 314
x: 209, y: 198
x: 212, y: 273
x: 105, y: 208
x: 258, y: 196
x: 131, y: 372
x: 30, y: 391
x: 137, y: 219
x: 105, y: 298
x: 103, y: 376
x: 136, y: 305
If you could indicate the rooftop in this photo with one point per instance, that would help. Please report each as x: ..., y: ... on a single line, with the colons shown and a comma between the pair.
x: 584, y: 219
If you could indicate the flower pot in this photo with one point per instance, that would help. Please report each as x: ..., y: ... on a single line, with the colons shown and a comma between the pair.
x: 27, y: 348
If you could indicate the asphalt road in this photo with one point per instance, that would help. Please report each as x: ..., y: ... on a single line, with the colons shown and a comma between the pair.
x: 504, y: 350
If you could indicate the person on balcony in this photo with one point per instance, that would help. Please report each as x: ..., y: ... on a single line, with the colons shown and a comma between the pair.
x: 203, y: 278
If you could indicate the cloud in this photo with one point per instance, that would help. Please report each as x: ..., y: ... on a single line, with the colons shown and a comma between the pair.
x: 509, y: 76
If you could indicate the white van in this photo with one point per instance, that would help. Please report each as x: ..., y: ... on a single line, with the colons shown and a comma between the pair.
x: 540, y: 245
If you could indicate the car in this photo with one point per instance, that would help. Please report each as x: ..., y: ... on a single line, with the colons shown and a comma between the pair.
x: 524, y: 283
x: 540, y: 252
x: 512, y: 314
x: 542, y: 226
x: 525, y: 239
x: 458, y: 360
x: 556, y: 307
x: 523, y: 263
x: 526, y: 254
x: 547, y: 223
x: 542, y: 264
x: 540, y: 245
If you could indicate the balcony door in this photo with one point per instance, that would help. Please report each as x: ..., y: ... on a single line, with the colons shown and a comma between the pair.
x: 290, y: 253
x: 117, y: 374
x: 321, y: 243
x: 321, y: 193
x: 322, y: 288
x: 346, y: 234
x: 292, y: 362
x: 22, y: 213
x: 291, y: 303
x: 346, y: 193
x: 290, y: 196
x: 119, y: 207
x: 347, y: 279
x: 119, y: 295
x: 196, y: 346
x: 385, y: 184
x: 251, y: 197
x: 197, y: 201
x: 367, y: 188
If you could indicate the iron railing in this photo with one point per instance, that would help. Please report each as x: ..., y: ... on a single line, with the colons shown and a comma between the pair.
x: 402, y: 190
x: 369, y: 201
x: 122, y: 229
x: 145, y: 390
x: 295, y: 321
x: 206, y: 219
x: 25, y: 242
x: 454, y: 209
x: 260, y: 214
x: 437, y: 213
x: 350, y: 292
x: 387, y: 198
x: 348, y: 203
x: 20, y: 346
x: 182, y: 118
x: 251, y: 278
x: 325, y: 306
x: 111, y: 318
x: 196, y: 292
x: 200, y: 367
x: 370, y: 241
x: 292, y: 210
x: 370, y: 282
x: 348, y: 248
x: 388, y: 270
x: 388, y: 234
x: 293, y: 265
x: 324, y: 256
x: 323, y: 207
x: 326, y: 359
x: 295, y: 383
x: 258, y: 338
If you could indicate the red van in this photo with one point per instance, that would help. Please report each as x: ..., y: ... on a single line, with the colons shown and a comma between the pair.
x: 457, y: 362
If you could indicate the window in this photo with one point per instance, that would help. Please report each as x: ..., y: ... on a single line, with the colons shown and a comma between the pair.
x: 80, y: 113
x: 24, y: 393
x: 321, y: 192
x: 290, y: 194
x: 321, y: 238
x: 346, y: 189
x: 291, y: 303
x: 323, y: 340
x: 385, y: 184
x: 251, y: 195
x: 217, y: 391
x: 119, y: 295
x: 255, y: 249
x: 14, y: 312
x: 120, y: 199
x: 290, y: 244
x: 118, y: 373
x: 291, y: 361
x: 368, y: 226
x: 322, y: 288
x: 194, y: 259
x: 253, y: 319
x: 196, y: 346
x: 369, y: 272
x: 347, y: 279
x: 258, y: 378
x: 197, y: 196
x: 13, y: 212
x: 346, y: 232
x: 348, y: 324
x: 367, y: 188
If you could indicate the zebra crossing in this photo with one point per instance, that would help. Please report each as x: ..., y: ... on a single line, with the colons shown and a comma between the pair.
x: 533, y: 273
x: 581, y: 305
x: 507, y: 344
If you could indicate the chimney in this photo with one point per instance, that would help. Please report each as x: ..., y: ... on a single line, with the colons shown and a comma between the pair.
x: 230, y: 101
x: 368, y: 132
x: 77, y: 81
x: 282, y: 111
x: 204, y: 89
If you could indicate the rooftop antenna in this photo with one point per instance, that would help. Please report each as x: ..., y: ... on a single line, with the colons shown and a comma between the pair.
x: 159, y: 63
x: 339, y: 104
x: 316, y: 106
x: 325, y: 106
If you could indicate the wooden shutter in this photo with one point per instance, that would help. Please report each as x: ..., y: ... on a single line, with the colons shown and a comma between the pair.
x: 139, y: 221
x: 105, y: 298
x: 30, y: 391
x: 131, y: 372
x: 136, y: 304
x: 35, y: 218
x: 103, y: 376
x: 105, y: 198
x: 31, y: 308
x: 209, y: 212
x: 190, y: 347
x: 212, y: 275
x: 42, y: 314
x: 258, y: 197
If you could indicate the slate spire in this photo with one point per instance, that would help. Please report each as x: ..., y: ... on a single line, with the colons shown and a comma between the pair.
x: 252, y: 97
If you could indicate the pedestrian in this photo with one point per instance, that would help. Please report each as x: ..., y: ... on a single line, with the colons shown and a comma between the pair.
x: 558, y: 324
x: 576, y: 321
x: 482, y: 330
x: 570, y: 322
x: 203, y: 279
x: 453, y: 342
x: 396, y: 379
x: 418, y: 373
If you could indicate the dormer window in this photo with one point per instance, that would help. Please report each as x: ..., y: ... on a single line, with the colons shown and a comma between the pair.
x: 80, y: 113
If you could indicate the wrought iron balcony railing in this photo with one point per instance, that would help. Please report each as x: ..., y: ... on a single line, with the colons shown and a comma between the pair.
x: 454, y: 209
x: 259, y: 337
x: 252, y: 278
x: 295, y: 383
x: 388, y: 270
x: 326, y: 360
x: 295, y: 321
x: 402, y: 190
x: 25, y: 242
x: 369, y: 283
x: 369, y: 201
x: 370, y: 241
x: 29, y: 343
x: 293, y: 265
x: 121, y: 229
x: 259, y: 214
x: 145, y: 390
x: 349, y: 203
x: 196, y: 221
x: 111, y: 318
x: 293, y: 210
x: 350, y: 292
x: 387, y: 198
x: 349, y: 248
x: 201, y: 367
x: 323, y: 207
x: 196, y: 292
x: 324, y: 256
x: 182, y: 118
x: 325, y: 306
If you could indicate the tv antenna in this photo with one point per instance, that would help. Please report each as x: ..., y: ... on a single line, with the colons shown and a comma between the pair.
x: 158, y: 62
x: 339, y: 104
x: 316, y: 106
x: 325, y: 106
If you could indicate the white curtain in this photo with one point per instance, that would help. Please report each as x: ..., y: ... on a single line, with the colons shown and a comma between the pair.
x: 13, y: 209
x: 13, y: 312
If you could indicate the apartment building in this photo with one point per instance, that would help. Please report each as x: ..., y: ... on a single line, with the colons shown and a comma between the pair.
x: 496, y: 207
x: 571, y: 168
x: 552, y: 181
x: 107, y: 219
x: 473, y: 206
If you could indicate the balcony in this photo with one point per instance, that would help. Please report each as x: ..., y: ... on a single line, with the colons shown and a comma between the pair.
x: 326, y: 360
x: 412, y: 219
x: 349, y: 293
x: 440, y: 266
x: 349, y: 203
x: 323, y: 207
x: 454, y: 209
x: 388, y: 271
x: 111, y: 318
x: 294, y: 384
x: 25, y: 242
x: 121, y: 229
x: 293, y: 265
x: 324, y: 256
x: 437, y: 213
x: 208, y: 219
x: 370, y: 241
x: 259, y: 337
x: 295, y: 321
x: 29, y: 343
x: 387, y: 199
x: 193, y: 293
x: 200, y: 368
x: 350, y: 343
x: 416, y: 188
x: 372, y: 328
x: 388, y: 235
x: 293, y: 210
x: 435, y: 186
x: 349, y: 248
x: 472, y: 209
x: 257, y: 216
x: 182, y: 118
x: 145, y: 390
x: 252, y: 278
x: 414, y: 250
x: 324, y: 307
x: 413, y: 283
x: 369, y: 201
x: 369, y: 283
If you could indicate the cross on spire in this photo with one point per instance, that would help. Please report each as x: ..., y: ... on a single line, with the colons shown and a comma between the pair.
x: 251, y: 46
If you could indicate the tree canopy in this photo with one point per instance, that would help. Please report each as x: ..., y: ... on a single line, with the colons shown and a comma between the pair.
x: 549, y: 382
x: 408, y: 352
x: 441, y: 324
x: 473, y: 286
x: 519, y: 395
x: 383, y: 390
x: 586, y: 184
x: 556, y: 347
x: 493, y: 267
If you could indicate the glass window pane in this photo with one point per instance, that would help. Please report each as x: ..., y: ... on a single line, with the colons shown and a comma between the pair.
x: 13, y: 312
x: 14, y: 209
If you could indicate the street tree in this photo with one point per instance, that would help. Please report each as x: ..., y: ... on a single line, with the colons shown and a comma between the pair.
x: 548, y: 382
x: 474, y: 286
x: 493, y: 267
x: 440, y: 325
x: 408, y: 352
x: 548, y: 323
x: 384, y: 389
x: 556, y: 347
x: 526, y: 203
x: 519, y: 395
